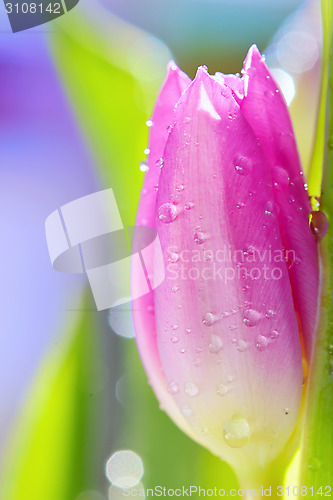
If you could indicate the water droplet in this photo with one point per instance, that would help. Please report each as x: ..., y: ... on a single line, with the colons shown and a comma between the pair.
x: 318, y: 224
x: 159, y: 163
x: 314, y: 464
x: 189, y: 206
x: 174, y: 327
x: 144, y: 167
x: 270, y: 314
x: 216, y: 344
x: 147, y: 151
x: 186, y: 411
x: 188, y: 331
x: 191, y: 389
x: 180, y: 188
x: 182, y: 351
x: 167, y: 213
x: 274, y: 334
x: 221, y: 390
x: 197, y: 362
x: 241, y: 345
x: 174, y: 340
x: 209, y: 319
x: 175, y: 289
x: 286, y: 411
x: 269, y: 209
x: 173, y: 257
x: 149, y: 123
x: 330, y: 142
x: 200, y: 237
x: 240, y: 205
x: 262, y: 343
x: 243, y: 165
x: 251, y: 317
x: 173, y: 388
x: 236, y: 432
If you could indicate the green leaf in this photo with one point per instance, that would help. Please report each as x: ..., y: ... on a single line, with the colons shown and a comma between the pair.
x: 317, y: 446
x: 53, y: 452
x: 112, y: 73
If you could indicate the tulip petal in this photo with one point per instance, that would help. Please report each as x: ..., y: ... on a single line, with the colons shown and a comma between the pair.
x: 226, y: 327
x: 234, y: 82
x: 264, y: 108
x: 143, y: 308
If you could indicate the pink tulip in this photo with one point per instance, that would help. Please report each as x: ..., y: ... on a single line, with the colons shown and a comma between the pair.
x: 223, y: 337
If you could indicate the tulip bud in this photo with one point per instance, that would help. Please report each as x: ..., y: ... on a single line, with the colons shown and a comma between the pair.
x: 221, y: 338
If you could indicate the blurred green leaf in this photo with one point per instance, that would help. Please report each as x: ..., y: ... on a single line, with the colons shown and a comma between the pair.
x: 112, y: 73
x: 53, y: 454
x: 317, y: 447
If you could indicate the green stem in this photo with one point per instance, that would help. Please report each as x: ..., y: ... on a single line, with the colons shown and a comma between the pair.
x: 317, y: 446
x: 266, y: 484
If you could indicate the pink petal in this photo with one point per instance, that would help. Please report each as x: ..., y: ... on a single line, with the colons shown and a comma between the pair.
x: 264, y: 108
x: 234, y: 82
x: 228, y: 347
x: 143, y: 308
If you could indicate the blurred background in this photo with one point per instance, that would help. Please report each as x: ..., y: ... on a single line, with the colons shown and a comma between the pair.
x: 75, y: 97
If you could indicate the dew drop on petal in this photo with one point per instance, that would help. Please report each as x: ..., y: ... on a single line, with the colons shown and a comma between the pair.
x: 159, y: 163
x: 243, y: 165
x: 173, y: 388
x: 221, y: 390
x: 200, y: 237
x: 262, y: 343
x: 241, y: 345
x: 197, y: 361
x: 209, y: 319
x: 251, y: 317
x: 173, y: 257
x: 216, y: 344
x: 191, y: 389
x: 274, y: 334
x: 174, y: 340
x: 188, y: 331
x: 236, y: 432
x: 270, y: 314
x: 189, y: 206
x: 318, y: 224
x: 167, y: 213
